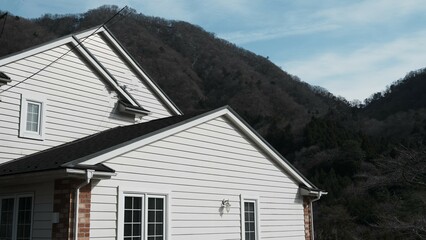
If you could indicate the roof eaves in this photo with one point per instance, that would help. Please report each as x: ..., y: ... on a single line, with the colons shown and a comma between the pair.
x: 272, y: 148
x: 97, y: 167
x: 43, y: 46
x: 35, y: 49
x: 120, y: 145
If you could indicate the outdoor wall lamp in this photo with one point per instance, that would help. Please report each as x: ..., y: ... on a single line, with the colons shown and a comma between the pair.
x: 226, y: 204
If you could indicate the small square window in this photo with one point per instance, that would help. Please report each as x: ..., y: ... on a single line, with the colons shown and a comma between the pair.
x: 33, y: 108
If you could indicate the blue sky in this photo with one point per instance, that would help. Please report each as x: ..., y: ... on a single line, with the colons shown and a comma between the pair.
x: 353, y: 48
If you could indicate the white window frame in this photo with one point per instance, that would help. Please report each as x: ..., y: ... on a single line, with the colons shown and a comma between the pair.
x: 255, y: 200
x: 124, y: 192
x: 26, y: 98
x: 16, y: 198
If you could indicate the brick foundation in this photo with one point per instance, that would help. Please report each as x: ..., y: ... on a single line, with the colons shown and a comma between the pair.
x: 307, y: 218
x: 64, y: 195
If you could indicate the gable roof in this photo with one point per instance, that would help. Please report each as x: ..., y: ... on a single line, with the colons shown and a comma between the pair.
x: 76, y: 42
x: 95, y: 149
x: 58, y: 157
x: 128, y: 58
x: 76, y: 45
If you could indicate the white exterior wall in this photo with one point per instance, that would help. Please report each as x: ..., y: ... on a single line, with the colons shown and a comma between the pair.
x: 123, y: 73
x: 78, y: 102
x: 199, y: 167
x: 42, y: 193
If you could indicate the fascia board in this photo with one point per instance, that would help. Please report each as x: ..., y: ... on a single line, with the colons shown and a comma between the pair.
x: 129, y: 60
x: 267, y: 148
x: 88, y: 32
x: 71, y: 40
x: 105, y: 74
x: 48, y: 175
x: 158, y: 135
x: 32, y: 51
x: 128, y: 146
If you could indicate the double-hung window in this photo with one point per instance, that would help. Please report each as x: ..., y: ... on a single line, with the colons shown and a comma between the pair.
x: 250, y: 221
x: 16, y: 217
x: 32, y: 119
x: 144, y: 217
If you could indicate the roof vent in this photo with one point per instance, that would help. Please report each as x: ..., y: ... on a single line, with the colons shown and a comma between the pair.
x: 4, y: 79
x: 138, y: 112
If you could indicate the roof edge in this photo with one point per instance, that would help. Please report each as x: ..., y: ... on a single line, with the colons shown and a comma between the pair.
x: 106, y: 154
x: 79, y: 47
x: 142, y: 72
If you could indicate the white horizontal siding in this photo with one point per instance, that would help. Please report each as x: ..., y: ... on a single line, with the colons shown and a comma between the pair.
x: 78, y: 103
x: 42, y: 203
x: 200, y: 167
x: 125, y: 75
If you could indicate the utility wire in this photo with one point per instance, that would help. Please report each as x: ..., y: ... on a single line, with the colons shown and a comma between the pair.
x: 60, y: 57
x: 123, y: 16
x: 4, y: 23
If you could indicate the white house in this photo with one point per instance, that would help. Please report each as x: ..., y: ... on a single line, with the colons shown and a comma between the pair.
x: 91, y: 148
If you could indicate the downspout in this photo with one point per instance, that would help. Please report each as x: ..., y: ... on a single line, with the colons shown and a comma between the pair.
x: 89, y: 175
x: 312, y: 214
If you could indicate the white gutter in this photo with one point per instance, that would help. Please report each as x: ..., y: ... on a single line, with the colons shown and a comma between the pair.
x: 312, y: 212
x: 96, y: 174
x: 317, y: 195
x: 89, y: 176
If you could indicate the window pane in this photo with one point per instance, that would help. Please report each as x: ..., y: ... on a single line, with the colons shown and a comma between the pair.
x: 151, y: 203
x: 249, y: 206
x: 159, y: 216
x: 6, y: 220
x: 137, y: 216
x: 127, y: 215
x: 133, y: 217
x: 159, y: 229
x: 127, y: 230
x: 151, y: 216
x: 159, y: 203
x: 151, y: 228
x: 136, y: 230
x: 33, y: 117
x: 155, y: 218
x: 250, y: 221
x: 128, y: 203
x: 137, y: 204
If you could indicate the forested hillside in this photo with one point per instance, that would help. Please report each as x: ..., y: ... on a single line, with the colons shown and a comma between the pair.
x: 370, y: 158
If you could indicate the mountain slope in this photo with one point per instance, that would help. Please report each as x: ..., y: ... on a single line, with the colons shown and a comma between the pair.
x: 406, y: 94
x: 196, y: 69
x: 360, y: 156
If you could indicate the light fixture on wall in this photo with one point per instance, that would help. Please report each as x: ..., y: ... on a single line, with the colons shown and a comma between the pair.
x: 226, y: 204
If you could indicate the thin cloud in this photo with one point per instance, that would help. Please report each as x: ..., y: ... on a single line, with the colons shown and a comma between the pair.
x: 328, y: 17
x: 242, y: 37
x: 363, y: 71
x: 367, y: 12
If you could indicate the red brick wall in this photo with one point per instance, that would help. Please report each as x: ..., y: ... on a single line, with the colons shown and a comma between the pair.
x: 84, y: 213
x: 307, y: 218
x: 64, y: 195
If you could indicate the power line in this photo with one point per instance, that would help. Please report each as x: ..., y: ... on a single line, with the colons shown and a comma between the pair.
x: 60, y: 57
x: 4, y: 23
